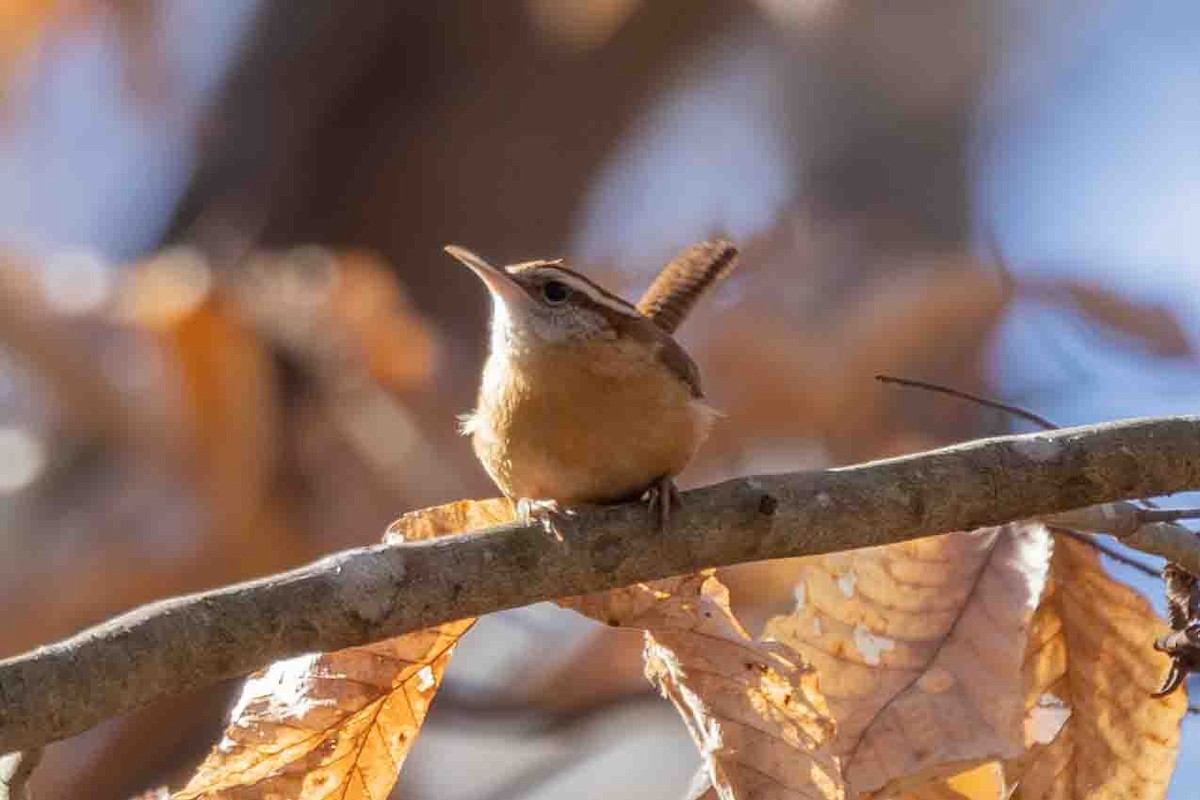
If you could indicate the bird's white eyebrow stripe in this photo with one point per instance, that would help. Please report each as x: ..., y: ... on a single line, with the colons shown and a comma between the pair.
x: 593, y: 292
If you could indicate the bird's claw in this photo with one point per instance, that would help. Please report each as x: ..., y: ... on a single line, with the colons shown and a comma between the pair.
x: 547, y: 513
x: 661, y: 499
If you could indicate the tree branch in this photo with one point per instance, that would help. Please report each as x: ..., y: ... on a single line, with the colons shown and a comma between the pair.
x: 364, y: 595
x: 1128, y: 524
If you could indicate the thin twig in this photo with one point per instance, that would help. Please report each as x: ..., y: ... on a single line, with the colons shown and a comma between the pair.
x: 1016, y: 411
x: 986, y: 402
x: 365, y: 595
x: 1111, y: 552
x: 1168, y: 514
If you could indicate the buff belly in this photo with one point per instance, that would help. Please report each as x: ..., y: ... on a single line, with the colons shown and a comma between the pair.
x: 606, y: 433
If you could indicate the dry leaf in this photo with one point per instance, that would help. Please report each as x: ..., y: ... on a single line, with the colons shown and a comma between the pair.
x: 816, y: 379
x: 1090, y: 673
x: 754, y: 712
x: 985, y: 782
x: 1155, y: 326
x: 328, y: 725
x: 919, y: 647
x: 456, y: 517
x: 340, y: 724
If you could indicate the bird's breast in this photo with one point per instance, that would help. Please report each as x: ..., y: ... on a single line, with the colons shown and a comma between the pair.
x: 588, y: 423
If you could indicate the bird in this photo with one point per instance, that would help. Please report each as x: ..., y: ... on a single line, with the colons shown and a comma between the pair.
x: 586, y: 399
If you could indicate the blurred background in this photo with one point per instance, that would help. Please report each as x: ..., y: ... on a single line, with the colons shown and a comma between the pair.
x: 230, y: 343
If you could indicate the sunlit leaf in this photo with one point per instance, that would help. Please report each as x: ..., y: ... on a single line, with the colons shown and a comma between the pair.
x: 1094, y: 729
x: 919, y: 648
x: 339, y: 725
x: 754, y: 711
x: 985, y: 782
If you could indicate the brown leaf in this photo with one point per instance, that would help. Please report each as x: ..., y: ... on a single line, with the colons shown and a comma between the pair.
x: 1090, y: 675
x: 918, y: 647
x: 985, y: 782
x: 755, y: 713
x: 815, y: 378
x: 340, y: 724
x: 456, y: 517
x: 1152, y: 325
x: 328, y: 725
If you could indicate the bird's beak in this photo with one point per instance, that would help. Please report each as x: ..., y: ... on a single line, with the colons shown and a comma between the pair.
x: 498, y: 281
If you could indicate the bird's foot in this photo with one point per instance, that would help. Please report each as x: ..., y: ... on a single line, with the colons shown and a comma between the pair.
x: 661, y: 499
x: 547, y: 513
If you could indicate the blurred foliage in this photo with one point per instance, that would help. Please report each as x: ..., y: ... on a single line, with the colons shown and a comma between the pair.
x: 29, y: 28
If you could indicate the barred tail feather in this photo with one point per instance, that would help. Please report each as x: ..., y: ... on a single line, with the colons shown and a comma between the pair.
x: 682, y: 282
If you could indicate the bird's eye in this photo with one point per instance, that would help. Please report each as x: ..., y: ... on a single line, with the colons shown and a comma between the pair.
x: 555, y: 292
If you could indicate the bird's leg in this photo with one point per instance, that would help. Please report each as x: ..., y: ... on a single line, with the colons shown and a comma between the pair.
x: 662, y: 498
x: 547, y: 513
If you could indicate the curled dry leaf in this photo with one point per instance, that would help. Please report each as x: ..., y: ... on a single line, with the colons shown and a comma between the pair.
x: 754, y: 711
x: 1094, y: 729
x: 443, y: 520
x: 339, y: 725
x: 919, y: 648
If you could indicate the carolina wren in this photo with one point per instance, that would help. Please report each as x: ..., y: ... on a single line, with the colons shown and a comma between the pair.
x: 585, y: 398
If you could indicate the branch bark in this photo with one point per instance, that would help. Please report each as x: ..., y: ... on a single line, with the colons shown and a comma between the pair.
x: 364, y: 595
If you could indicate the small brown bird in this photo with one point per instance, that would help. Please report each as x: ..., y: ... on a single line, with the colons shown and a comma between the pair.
x: 586, y: 399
